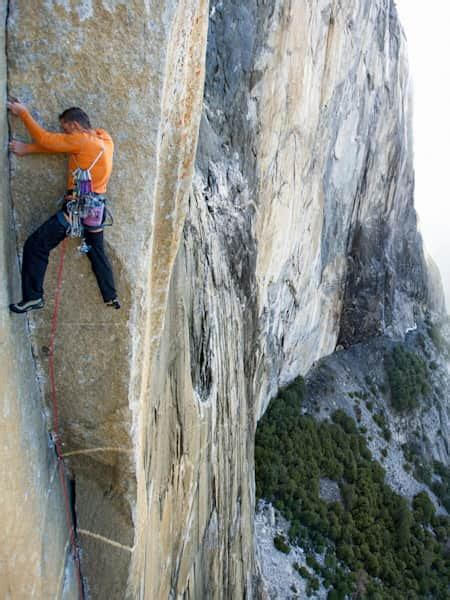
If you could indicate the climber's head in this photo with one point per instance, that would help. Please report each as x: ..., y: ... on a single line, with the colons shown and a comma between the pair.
x: 74, y: 119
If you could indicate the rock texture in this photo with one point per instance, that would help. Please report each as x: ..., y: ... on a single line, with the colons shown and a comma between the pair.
x: 295, y: 231
x: 300, y: 234
x: 282, y: 580
x: 144, y: 84
x: 32, y: 519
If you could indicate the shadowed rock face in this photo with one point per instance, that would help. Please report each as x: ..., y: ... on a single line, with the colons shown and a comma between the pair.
x: 305, y: 140
x: 300, y: 233
x: 296, y: 230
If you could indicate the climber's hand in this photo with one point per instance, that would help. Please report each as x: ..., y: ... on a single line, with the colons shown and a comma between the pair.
x: 16, y: 107
x: 19, y: 148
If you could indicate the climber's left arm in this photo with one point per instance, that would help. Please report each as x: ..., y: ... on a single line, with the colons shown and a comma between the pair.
x: 46, y: 140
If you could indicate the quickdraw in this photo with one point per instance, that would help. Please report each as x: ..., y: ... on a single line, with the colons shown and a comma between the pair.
x: 85, y: 213
x: 86, y: 209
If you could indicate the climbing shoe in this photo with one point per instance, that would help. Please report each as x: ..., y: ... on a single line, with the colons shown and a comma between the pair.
x: 23, y: 307
x: 114, y: 303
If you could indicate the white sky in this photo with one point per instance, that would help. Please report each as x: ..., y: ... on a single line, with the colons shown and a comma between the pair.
x: 426, y: 26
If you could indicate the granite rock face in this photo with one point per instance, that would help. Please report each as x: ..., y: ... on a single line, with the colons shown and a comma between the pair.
x: 300, y: 234
x: 33, y: 550
x: 294, y: 231
x: 306, y: 133
x: 137, y: 69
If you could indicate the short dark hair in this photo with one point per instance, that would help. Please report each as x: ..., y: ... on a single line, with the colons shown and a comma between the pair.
x: 76, y: 114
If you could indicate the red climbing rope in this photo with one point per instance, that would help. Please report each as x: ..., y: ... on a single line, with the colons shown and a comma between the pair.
x: 56, y: 436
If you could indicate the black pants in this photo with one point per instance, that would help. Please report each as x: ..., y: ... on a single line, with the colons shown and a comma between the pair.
x: 35, y: 260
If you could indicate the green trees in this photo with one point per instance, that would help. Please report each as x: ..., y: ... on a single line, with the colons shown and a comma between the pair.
x: 371, y: 529
x: 403, y: 520
x: 280, y: 544
x: 423, y: 508
x: 408, y: 378
x: 441, y: 487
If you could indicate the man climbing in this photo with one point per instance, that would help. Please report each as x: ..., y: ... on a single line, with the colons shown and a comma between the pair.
x: 90, y: 150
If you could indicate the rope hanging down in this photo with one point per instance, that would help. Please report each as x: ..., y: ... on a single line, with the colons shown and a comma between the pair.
x: 56, y: 436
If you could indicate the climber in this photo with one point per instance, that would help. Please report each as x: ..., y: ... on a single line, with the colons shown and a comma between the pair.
x: 90, y: 149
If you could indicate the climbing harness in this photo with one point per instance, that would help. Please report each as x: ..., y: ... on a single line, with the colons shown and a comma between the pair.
x: 87, y: 212
x: 87, y: 209
x: 55, y: 433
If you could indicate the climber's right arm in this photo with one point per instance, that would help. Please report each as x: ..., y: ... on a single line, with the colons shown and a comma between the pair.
x: 22, y: 149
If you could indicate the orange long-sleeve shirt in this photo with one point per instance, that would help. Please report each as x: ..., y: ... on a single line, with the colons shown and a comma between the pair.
x: 82, y: 148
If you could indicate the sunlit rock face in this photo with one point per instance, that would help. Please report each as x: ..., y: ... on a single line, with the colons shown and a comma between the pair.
x: 33, y: 549
x: 296, y: 231
x: 137, y: 68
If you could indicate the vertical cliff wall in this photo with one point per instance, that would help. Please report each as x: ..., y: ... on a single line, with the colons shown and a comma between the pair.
x: 300, y: 234
x: 296, y: 231
x: 304, y: 174
x: 32, y: 519
x: 138, y: 72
